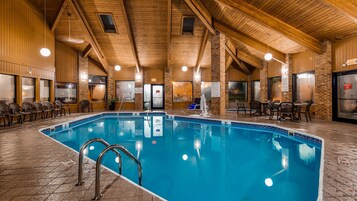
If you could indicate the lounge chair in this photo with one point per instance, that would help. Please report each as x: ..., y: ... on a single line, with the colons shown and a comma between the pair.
x: 195, y: 105
x: 63, y: 107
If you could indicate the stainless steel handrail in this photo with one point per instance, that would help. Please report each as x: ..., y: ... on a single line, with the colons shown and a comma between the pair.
x: 121, y: 104
x: 98, y: 163
x: 80, y: 160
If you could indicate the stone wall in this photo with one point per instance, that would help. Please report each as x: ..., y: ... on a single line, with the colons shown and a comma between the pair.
x: 287, y: 96
x: 83, y: 90
x: 264, y: 82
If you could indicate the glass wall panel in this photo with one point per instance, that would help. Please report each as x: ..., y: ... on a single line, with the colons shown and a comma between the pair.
x: 182, y: 91
x: 347, y: 96
x: 97, y: 87
x: 28, y: 90
x: 147, y: 96
x: 125, y: 90
x: 305, y: 87
x: 237, y: 91
x: 206, y: 90
x: 44, y: 90
x: 66, y: 92
x: 7, y: 94
x: 256, y: 90
x: 274, y: 89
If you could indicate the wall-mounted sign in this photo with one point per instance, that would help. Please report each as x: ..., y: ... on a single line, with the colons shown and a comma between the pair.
x: 215, y: 89
x: 285, y: 83
x: 347, y: 86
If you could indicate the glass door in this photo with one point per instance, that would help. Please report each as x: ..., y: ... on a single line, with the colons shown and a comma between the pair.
x: 153, y: 96
x: 157, y: 96
x: 345, y: 97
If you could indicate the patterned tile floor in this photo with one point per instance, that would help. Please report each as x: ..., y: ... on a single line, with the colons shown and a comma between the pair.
x: 34, y: 167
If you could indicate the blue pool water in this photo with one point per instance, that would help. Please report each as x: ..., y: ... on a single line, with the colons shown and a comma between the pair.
x: 185, y: 160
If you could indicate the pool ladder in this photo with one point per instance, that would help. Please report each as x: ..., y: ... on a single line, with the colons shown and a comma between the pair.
x: 99, y: 160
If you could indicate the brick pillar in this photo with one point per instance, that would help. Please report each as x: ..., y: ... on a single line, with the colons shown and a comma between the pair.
x: 264, y: 82
x: 196, y: 83
x: 83, y: 78
x: 139, y: 90
x: 168, y: 87
x: 227, y: 91
x: 287, y: 96
x: 249, y: 92
x: 111, y: 82
x: 323, y: 83
x: 38, y: 89
x: 218, y: 76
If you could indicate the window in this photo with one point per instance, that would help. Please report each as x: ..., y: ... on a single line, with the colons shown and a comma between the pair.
x: 97, y: 87
x: 66, y: 92
x: 125, y: 90
x: 255, y: 90
x: 237, y: 91
x: 107, y: 22
x: 187, y: 25
x: 206, y: 90
x: 44, y: 90
x: 346, y: 96
x: 304, y: 87
x: 7, y: 94
x: 274, y: 88
x: 182, y: 91
x: 28, y: 90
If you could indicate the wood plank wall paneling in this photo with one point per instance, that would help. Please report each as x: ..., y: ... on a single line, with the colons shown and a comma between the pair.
x: 236, y: 75
x: 303, y: 62
x: 343, y: 50
x: 154, y: 73
x: 94, y: 69
x: 274, y: 69
x: 178, y: 75
x: 17, y: 69
x: 22, y: 36
x: 206, y: 74
x: 125, y: 74
x: 255, y: 75
x: 66, y: 64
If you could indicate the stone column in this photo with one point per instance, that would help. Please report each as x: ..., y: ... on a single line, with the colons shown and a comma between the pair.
x: 196, y: 83
x: 82, y: 78
x: 218, y: 68
x: 288, y: 96
x: 139, y: 90
x: 264, y: 82
x: 323, y: 83
x: 249, y: 92
x: 168, y: 87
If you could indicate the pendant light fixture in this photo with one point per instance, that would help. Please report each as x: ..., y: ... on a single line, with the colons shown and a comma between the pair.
x: 117, y: 68
x: 45, y: 51
x: 184, y: 68
x: 68, y: 38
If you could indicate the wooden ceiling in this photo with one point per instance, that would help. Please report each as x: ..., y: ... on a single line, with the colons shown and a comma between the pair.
x: 149, y: 32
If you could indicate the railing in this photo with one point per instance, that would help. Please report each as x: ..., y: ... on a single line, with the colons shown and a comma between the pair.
x: 81, y: 153
x: 98, y: 163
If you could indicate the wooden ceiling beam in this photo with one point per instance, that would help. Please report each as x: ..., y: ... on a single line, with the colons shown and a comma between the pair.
x: 239, y: 62
x: 130, y: 34
x: 287, y: 30
x: 232, y: 33
x: 347, y: 7
x: 202, y: 50
x: 58, y: 15
x: 89, y: 33
x: 229, y: 62
x: 250, y: 59
x: 86, y: 51
x: 202, y: 13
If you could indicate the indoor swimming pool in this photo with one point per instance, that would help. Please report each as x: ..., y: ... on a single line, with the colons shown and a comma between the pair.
x: 186, y: 158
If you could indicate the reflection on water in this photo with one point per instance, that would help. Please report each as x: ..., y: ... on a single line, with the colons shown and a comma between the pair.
x: 191, y: 161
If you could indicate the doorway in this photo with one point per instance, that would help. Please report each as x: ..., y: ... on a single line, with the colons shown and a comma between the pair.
x: 345, y: 96
x: 154, y: 96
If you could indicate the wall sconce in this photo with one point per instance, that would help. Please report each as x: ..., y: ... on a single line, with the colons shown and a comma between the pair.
x: 137, y: 76
x: 84, y: 76
x: 117, y: 68
x: 29, y: 70
x: 184, y: 68
x: 197, y: 77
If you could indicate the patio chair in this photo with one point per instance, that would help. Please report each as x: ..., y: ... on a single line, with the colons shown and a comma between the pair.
x: 306, y: 111
x: 63, y: 107
x: 54, y: 109
x: 273, y: 108
x: 4, y: 112
x: 286, y: 109
x: 195, y: 105
x: 257, y: 107
x: 43, y: 110
x: 85, y: 105
x: 16, y: 111
x: 241, y: 107
x: 29, y: 109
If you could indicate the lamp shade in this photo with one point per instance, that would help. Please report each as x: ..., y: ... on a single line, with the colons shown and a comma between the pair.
x: 45, y: 52
x: 268, y: 56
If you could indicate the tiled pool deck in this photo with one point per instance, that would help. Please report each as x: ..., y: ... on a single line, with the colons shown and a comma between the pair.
x: 34, y: 167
